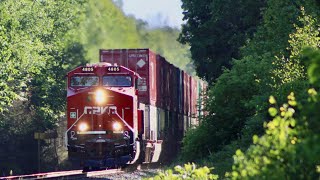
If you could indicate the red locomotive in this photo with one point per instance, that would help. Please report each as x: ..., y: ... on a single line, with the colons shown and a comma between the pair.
x: 132, y: 105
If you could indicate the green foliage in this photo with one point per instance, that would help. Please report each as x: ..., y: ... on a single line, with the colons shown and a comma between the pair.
x: 306, y: 35
x: 29, y: 32
x: 196, y: 144
x: 289, y: 148
x: 271, y: 63
x: 189, y: 171
x: 239, y: 94
x: 17, y: 146
x: 313, y: 61
x: 271, y: 154
x: 36, y: 51
x: 106, y: 27
x: 222, y: 160
x: 42, y: 40
x: 161, y: 41
x: 229, y: 106
x: 216, y: 30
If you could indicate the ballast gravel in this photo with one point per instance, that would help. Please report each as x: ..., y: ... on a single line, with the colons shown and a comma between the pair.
x: 138, y: 174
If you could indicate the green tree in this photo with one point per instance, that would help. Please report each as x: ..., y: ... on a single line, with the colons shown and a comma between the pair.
x: 106, y: 27
x: 39, y: 42
x: 37, y: 48
x: 160, y: 41
x: 269, y: 65
x: 216, y: 30
x: 289, y: 148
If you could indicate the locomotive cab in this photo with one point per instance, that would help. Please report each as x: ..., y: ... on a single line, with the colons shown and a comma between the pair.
x: 102, y: 115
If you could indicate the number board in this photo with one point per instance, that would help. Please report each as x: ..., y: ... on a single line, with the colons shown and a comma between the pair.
x: 87, y: 69
x: 113, y: 68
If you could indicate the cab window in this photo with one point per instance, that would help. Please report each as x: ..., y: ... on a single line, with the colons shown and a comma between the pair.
x: 86, y: 81
x: 117, y: 81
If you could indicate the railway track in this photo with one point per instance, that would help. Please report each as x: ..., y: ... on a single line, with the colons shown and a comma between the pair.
x: 78, y: 174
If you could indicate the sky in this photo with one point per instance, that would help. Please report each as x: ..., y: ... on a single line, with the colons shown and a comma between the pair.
x: 156, y: 12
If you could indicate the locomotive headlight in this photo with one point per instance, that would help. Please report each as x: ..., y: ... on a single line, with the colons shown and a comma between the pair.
x: 83, y: 127
x: 116, y: 126
x: 100, y: 96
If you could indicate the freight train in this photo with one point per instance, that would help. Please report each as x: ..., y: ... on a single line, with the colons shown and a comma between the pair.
x: 133, y: 106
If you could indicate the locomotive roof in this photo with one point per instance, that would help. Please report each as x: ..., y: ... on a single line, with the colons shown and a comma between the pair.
x: 105, y: 64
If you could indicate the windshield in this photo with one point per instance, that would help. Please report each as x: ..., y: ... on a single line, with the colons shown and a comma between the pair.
x: 117, y: 81
x: 84, y: 81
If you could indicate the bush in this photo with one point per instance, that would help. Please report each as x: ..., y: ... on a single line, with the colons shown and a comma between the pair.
x: 189, y: 171
x: 290, y: 148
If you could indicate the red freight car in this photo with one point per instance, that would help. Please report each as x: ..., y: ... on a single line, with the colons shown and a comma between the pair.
x: 141, y: 61
x: 193, y: 96
x: 153, y: 112
x: 186, y: 85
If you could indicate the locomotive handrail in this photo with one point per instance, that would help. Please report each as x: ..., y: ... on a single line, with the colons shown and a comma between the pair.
x: 116, y: 113
x: 66, y: 133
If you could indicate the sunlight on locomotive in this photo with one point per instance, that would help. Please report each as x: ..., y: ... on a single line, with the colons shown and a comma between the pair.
x: 116, y: 126
x: 83, y: 127
x: 100, y: 96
